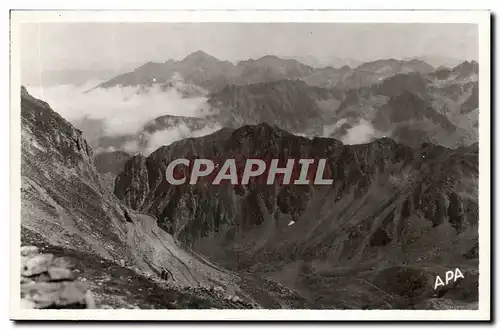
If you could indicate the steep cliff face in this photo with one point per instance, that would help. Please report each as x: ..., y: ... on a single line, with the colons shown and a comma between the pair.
x: 136, y: 183
x: 111, y: 162
x: 378, y: 189
x: 65, y: 205
x: 290, y: 104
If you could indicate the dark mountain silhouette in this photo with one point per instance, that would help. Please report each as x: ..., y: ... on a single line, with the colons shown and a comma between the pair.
x: 208, y: 72
x: 409, y: 106
x: 402, y: 82
x: 111, y: 162
x: 388, y: 210
x: 289, y: 104
x: 212, y: 74
x: 197, y: 68
x: 467, y: 68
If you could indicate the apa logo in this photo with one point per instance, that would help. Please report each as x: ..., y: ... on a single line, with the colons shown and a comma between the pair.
x: 448, y: 277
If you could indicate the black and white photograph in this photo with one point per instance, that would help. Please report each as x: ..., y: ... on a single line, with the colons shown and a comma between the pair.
x: 230, y: 166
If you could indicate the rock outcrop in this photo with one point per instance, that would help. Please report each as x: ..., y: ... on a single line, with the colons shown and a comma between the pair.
x: 49, y: 282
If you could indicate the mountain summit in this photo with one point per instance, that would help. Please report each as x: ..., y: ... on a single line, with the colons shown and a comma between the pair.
x: 198, y: 57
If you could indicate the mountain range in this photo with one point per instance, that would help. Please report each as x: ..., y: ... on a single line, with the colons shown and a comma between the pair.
x: 204, y: 70
x: 401, y: 145
x: 390, y: 97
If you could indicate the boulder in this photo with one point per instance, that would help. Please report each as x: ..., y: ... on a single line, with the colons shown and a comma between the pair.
x: 29, y: 251
x: 49, y: 282
x: 37, y: 264
x: 58, y: 274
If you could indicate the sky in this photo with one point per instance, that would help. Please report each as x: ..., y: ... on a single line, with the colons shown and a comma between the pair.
x: 115, y: 46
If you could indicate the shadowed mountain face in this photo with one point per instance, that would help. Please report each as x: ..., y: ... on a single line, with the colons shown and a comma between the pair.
x: 111, y: 162
x: 65, y: 206
x: 291, y: 105
x: 353, y: 168
x: 389, y: 206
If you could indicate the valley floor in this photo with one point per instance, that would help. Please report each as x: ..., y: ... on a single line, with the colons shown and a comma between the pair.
x: 114, y: 286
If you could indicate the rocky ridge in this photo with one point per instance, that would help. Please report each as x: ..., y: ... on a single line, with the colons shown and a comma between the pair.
x: 390, y: 207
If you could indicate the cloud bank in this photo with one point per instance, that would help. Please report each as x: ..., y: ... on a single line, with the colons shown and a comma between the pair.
x: 174, y: 134
x: 362, y: 132
x: 123, y: 111
x: 120, y: 113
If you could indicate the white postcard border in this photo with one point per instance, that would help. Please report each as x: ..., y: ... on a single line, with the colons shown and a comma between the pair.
x: 481, y: 18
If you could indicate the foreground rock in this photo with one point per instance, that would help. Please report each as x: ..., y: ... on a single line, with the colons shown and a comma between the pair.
x: 49, y: 282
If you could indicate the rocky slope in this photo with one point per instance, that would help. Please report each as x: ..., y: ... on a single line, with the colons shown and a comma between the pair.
x: 66, y: 208
x: 289, y: 104
x: 390, y: 206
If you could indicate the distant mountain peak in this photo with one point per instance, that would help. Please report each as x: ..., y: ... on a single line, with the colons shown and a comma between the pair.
x: 466, y: 68
x: 24, y: 91
x: 345, y: 68
x: 148, y: 65
x: 199, y: 55
x: 268, y: 57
